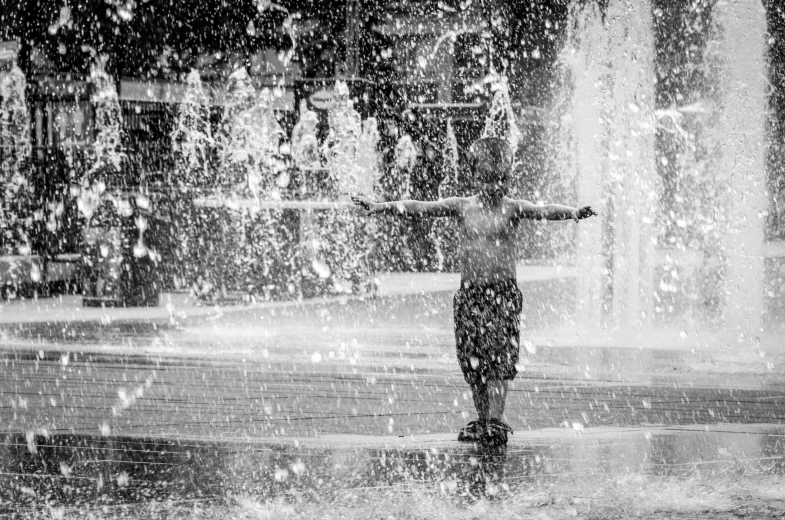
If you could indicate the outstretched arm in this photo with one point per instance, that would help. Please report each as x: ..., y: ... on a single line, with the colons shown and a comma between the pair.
x: 530, y: 210
x: 437, y: 208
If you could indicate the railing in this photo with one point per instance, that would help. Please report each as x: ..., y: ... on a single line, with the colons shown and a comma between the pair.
x: 246, y: 203
x: 143, y: 162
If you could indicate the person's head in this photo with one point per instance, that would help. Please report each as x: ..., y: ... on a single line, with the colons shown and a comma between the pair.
x: 490, y: 161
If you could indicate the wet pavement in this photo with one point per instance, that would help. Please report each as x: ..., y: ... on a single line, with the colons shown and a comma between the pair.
x: 594, y: 473
x: 246, y: 400
x: 350, y: 409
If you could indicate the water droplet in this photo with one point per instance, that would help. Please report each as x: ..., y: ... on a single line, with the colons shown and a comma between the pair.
x: 283, y: 179
x: 140, y: 250
x: 321, y: 268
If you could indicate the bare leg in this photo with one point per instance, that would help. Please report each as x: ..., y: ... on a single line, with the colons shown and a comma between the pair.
x: 497, y: 395
x: 480, y: 396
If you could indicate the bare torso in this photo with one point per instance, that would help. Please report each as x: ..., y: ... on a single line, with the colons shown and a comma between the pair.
x: 487, y: 251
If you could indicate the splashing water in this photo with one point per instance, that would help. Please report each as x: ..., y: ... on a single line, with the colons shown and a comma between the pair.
x: 305, y: 144
x: 249, y: 138
x: 448, y: 186
x: 107, y: 148
x: 405, y: 160
x: 612, y: 121
x: 343, y: 140
x: 106, y: 155
x: 192, y: 139
x: 16, y: 151
x: 267, y: 133
x: 368, y: 157
x: 14, y: 126
x: 742, y: 175
x: 612, y: 128
x: 501, y: 121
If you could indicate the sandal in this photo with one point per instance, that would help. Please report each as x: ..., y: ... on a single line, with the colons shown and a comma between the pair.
x: 472, y: 432
x: 495, y: 433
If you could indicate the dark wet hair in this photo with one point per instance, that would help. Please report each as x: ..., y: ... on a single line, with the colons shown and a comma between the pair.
x: 494, y: 150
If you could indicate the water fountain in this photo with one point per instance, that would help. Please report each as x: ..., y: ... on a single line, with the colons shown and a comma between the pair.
x: 102, y: 208
x: 368, y: 163
x: 343, y: 406
x: 192, y: 146
x: 341, y: 146
x: 742, y: 175
x: 192, y: 137
x: 394, y: 252
x: 305, y: 143
x: 269, y: 245
x: 444, y: 232
x: 107, y: 154
x: 120, y: 265
x: 249, y: 138
x: 405, y: 160
x: 249, y: 164
x: 339, y: 238
x: 609, y: 58
x: 14, y: 156
x: 501, y: 120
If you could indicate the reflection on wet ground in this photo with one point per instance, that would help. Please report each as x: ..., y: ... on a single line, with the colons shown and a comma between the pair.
x: 273, y: 398
x: 74, y: 474
x: 198, y: 418
x: 412, y: 333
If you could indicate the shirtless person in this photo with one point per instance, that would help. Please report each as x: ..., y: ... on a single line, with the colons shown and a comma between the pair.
x: 488, y: 305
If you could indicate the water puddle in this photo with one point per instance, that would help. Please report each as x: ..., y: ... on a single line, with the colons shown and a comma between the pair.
x: 570, y: 472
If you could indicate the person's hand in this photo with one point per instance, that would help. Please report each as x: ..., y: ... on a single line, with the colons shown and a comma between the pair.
x: 367, y: 205
x: 582, y: 213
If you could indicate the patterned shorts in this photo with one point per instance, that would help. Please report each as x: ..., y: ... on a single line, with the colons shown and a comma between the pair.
x: 487, y: 330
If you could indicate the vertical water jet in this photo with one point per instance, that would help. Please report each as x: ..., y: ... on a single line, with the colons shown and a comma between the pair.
x: 584, y: 59
x: 742, y: 175
x: 630, y: 167
x: 611, y: 63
